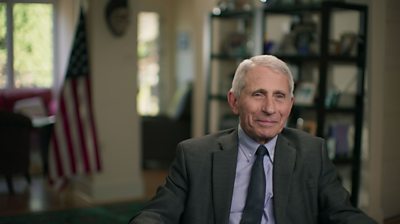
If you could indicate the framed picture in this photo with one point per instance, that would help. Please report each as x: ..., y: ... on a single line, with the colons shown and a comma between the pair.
x: 305, y: 94
x: 234, y: 44
x: 348, y: 43
x: 310, y: 127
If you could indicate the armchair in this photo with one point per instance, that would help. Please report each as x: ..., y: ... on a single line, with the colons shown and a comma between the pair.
x: 161, y: 134
x: 15, y: 130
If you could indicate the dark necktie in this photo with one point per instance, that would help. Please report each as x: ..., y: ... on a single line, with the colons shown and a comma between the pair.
x: 254, y: 207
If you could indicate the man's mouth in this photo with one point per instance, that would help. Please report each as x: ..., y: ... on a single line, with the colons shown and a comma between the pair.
x: 266, y: 122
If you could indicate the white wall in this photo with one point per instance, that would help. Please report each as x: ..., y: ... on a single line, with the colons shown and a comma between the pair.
x: 383, y: 110
x: 114, y: 94
x: 201, y: 58
x: 391, y: 111
x: 375, y: 61
x: 184, y: 45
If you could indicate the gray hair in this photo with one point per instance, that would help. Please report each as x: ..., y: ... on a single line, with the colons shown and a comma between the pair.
x: 267, y: 61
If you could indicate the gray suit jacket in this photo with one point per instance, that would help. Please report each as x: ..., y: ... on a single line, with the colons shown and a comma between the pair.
x: 199, y: 186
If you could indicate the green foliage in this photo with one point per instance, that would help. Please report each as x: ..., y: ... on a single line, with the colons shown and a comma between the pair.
x: 33, y: 44
x: 3, y: 51
x: 2, y: 26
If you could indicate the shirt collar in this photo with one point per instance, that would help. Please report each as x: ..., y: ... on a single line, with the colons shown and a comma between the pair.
x: 250, y: 146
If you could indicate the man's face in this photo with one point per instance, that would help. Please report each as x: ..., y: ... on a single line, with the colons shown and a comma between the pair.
x: 264, y: 103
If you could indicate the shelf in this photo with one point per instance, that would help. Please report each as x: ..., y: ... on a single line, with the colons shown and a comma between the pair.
x: 342, y: 161
x: 229, y: 56
x: 305, y: 107
x: 232, y: 14
x: 309, y: 49
x: 291, y: 58
x: 316, y: 58
x: 310, y: 7
x: 349, y: 110
x: 291, y: 8
x: 298, y: 58
x: 220, y: 97
x: 343, y: 59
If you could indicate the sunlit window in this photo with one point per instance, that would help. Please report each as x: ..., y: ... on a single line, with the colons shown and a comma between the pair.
x: 3, y: 48
x: 26, y: 44
x: 148, y: 63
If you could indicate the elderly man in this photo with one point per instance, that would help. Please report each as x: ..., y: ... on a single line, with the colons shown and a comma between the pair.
x: 259, y: 172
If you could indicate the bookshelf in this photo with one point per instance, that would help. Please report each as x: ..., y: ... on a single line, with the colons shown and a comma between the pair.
x: 324, y: 44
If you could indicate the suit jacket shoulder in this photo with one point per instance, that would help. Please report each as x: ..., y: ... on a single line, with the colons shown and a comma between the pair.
x: 212, y: 141
x: 306, y: 184
x: 300, y: 138
x: 199, y: 185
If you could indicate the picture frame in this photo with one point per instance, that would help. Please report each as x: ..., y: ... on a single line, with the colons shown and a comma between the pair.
x: 348, y: 43
x: 305, y: 94
x: 310, y: 127
x: 234, y: 44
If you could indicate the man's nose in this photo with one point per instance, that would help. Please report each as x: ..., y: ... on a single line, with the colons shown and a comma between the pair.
x: 269, y: 105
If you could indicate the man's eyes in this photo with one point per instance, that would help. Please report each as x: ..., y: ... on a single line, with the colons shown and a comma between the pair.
x: 258, y: 94
x: 275, y: 95
x: 280, y: 95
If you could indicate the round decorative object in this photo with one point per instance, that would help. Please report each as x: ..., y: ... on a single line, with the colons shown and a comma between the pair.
x: 117, y: 16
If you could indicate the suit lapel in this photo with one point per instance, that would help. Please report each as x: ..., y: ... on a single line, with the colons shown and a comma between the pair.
x: 224, y: 170
x: 284, y: 163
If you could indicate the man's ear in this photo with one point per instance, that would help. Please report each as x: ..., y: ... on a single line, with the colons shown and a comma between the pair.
x: 233, y: 102
x: 293, y: 100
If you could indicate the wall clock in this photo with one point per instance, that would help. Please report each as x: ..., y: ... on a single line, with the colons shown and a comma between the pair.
x: 117, y: 16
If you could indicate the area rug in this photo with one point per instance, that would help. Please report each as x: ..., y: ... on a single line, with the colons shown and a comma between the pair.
x: 114, y: 213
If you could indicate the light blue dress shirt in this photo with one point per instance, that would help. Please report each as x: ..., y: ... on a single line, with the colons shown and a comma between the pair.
x: 246, y: 158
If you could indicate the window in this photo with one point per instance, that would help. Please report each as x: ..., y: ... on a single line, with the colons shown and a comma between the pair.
x: 26, y: 43
x: 3, y: 49
x: 148, y: 63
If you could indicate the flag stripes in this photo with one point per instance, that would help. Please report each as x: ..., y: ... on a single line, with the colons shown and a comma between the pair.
x: 73, y: 146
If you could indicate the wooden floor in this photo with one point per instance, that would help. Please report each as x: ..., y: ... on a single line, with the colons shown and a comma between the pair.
x: 38, y: 196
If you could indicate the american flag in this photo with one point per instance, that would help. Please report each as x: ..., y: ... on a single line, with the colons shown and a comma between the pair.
x: 73, y: 148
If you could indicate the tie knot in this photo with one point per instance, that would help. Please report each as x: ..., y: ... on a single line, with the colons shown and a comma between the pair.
x: 261, y: 151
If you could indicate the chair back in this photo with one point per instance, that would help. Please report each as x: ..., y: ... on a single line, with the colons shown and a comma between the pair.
x: 15, y: 130
x: 32, y: 107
